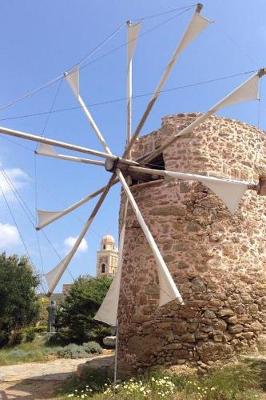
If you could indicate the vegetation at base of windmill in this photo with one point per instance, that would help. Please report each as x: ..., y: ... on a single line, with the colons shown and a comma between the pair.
x: 93, y: 383
x: 233, y: 382
x: 79, y: 351
x: 27, y: 352
x: 29, y: 333
x: 75, y: 319
x: 19, y: 306
x: 37, y: 350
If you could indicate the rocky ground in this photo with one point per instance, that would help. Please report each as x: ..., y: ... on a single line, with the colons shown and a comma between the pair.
x: 35, y: 380
x: 42, y: 380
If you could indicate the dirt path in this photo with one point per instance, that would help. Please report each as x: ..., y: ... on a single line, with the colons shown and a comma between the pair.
x: 35, y: 380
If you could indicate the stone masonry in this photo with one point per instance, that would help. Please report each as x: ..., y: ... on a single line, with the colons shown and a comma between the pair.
x: 217, y: 260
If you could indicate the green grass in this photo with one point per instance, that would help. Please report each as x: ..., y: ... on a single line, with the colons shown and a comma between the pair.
x: 27, y: 352
x: 234, y: 382
x: 37, y: 350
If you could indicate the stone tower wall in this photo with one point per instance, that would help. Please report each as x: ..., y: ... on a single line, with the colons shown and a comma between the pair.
x: 217, y: 260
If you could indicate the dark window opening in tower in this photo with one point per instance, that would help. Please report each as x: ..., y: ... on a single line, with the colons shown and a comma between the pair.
x: 104, y: 247
x: 103, y: 268
x: 156, y: 163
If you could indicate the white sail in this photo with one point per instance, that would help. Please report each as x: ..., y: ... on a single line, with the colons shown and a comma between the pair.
x: 46, y: 217
x: 52, y: 277
x: 247, y: 91
x: 228, y: 190
x: 230, y: 193
x: 107, y: 313
x: 46, y: 150
x: 72, y: 78
x: 133, y: 32
x: 168, y: 289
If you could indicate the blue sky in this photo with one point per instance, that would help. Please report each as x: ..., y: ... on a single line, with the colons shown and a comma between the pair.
x: 40, y: 40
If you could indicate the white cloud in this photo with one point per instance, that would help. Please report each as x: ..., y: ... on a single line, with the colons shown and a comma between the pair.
x: 17, y: 176
x: 9, y: 236
x: 70, y: 241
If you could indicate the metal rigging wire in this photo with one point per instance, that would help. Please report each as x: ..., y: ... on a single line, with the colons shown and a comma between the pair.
x: 121, y: 99
x: 89, y: 55
x: 18, y: 230
x: 27, y: 211
x: 35, y: 172
x: 47, y: 189
x: 115, y: 49
x: 164, y: 12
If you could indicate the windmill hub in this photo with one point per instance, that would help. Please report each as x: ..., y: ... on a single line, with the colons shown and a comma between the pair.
x: 112, y: 164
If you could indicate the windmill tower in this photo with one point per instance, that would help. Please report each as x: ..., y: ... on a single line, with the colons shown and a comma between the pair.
x: 218, y: 259
x: 168, y: 291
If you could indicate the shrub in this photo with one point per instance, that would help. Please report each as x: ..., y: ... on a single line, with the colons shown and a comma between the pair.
x: 3, y: 338
x: 92, y: 347
x: 40, y: 328
x: 75, y: 319
x: 75, y: 351
x: 72, y: 351
x: 18, y: 305
x: 57, y: 338
x: 18, y: 353
x: 30, y: 335
x: 15, y: 338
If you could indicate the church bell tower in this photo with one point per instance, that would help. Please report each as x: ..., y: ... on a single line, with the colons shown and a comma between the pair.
x: 107, y: 257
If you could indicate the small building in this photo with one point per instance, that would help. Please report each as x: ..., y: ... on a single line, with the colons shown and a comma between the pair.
x: 66, y: 288
x: 107, y: 257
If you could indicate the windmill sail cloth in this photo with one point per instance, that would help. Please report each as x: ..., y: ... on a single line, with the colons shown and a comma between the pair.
x: 107, y: 313
x: 46, y: 150
x: 133, y: 32
x: 168, y: 289
x: 46, y: 217
x: 72, y: 78
x: 52, y: 277
x: 196, y: 26
x: 230, y: 192
x: 249, y: 90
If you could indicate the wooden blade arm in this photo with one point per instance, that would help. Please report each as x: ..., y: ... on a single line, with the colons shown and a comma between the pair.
x: 48, y: 151
x: 47, y: 217
x: 72, y: 78
x: 196, y: 25
x: 64, y: 145
x: 61, y: 267
x: 168, y: 289
x: 239, y: 94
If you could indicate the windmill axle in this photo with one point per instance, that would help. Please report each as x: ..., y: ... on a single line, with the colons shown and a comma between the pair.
x: 112, y: 164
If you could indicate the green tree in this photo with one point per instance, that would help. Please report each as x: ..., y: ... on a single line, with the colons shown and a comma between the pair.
x: 75, y: 321
x: 18, y: 299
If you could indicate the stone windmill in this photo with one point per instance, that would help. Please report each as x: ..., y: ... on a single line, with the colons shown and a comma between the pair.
x: 136, y: 167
